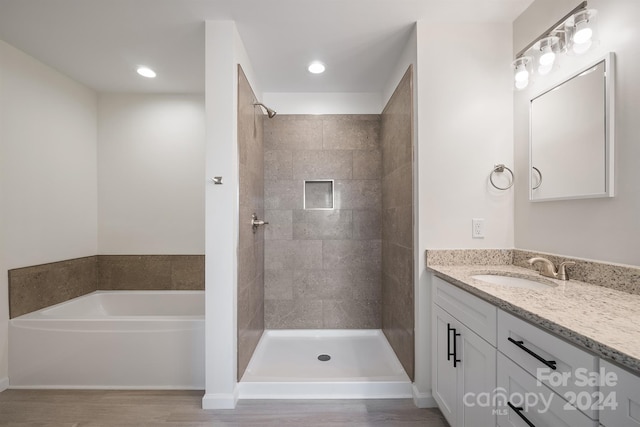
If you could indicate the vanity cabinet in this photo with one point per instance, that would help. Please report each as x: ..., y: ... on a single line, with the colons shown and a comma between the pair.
x: 624, y: 388
x: 464, y: 363
x: 490, y: 368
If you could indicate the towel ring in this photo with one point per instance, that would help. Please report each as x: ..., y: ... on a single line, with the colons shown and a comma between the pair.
x: 540, y: 175
x: 499, y: 169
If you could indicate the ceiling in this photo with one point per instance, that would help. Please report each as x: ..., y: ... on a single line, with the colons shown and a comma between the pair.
x: 100, y: 43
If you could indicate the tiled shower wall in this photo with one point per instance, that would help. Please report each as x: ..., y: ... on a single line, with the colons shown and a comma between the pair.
x: 322, y: 267
x: 250, y: 244
x: 397, y: 223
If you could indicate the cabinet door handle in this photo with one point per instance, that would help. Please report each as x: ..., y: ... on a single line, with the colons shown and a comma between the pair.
x: 455, y: 350
x: 518, y: 411
x: 449, y: 329
x: 550, y: 363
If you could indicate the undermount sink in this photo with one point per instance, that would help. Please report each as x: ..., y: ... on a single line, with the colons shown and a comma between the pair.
x: 513, y: 282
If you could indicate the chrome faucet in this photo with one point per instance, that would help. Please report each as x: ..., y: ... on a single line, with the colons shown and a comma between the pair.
x: 547, y: 268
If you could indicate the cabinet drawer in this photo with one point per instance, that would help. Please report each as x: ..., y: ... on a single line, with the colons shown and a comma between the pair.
x: 474, y: 313
x: 540, y: 405
x: 575, y: 368
x: 624, y: 389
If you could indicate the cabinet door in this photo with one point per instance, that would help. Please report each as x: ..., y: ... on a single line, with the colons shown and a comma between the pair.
x: 620, y: 392
x: 459, y: 389
x: 476, y: 380
x: 444, y: 378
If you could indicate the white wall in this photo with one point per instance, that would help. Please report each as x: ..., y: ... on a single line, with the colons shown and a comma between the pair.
x: 463, y: 115
x: 48, y: 170
x: 600, y: 229
x: 324, y: 103
x: 224, y: 51
x: 408, y: 56
x: 150, y: 174
x: 465, y: 105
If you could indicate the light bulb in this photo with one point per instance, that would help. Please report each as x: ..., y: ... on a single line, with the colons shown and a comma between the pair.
x: 521, y: 73
x: 146, y: 72
x: 316, y: 67
x: 547, y: 58
x: 583, y: 33
x: 522, y: 84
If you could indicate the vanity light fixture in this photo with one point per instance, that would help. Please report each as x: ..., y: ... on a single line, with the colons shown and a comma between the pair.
x: 573, y: 34
x: 146, y: 72
x: 521, y: 71
x: 316, y: 67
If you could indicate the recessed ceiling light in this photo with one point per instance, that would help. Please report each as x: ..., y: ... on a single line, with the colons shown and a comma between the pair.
x: 316, y: 67
x: 146, y: 72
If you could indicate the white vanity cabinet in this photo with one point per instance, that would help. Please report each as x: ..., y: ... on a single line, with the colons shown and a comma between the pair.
x: 623, y: 389
x: 464, y: 363
x: 484, y: 358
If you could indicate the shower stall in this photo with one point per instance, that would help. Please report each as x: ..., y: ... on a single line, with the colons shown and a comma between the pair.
x: 325, y: 285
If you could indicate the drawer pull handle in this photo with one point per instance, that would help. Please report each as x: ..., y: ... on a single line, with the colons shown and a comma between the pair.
x: 550, y: 363
x: 455, y: 350
x: 518, y: 411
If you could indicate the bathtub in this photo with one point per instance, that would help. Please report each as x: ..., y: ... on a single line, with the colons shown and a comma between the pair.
x: 111, y: 340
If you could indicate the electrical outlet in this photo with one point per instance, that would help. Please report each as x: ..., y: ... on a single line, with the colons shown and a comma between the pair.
x: 477, y: 228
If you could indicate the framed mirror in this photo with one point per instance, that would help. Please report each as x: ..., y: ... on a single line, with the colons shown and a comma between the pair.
x: 571, y: 136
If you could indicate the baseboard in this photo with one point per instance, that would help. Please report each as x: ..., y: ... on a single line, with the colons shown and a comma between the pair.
x: 220, y: 400
x: 4, y: 384
x: 423, y: 400
x: 103, y: 387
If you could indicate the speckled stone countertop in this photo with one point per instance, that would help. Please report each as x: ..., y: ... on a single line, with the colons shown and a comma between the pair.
x: 602, y: 320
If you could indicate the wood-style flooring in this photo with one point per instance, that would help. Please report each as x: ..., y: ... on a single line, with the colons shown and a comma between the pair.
x: 84, y: 408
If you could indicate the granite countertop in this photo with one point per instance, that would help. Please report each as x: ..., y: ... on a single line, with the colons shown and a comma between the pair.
x: 602, y: 320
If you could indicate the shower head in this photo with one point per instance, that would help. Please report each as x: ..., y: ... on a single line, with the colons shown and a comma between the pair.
x: 270, y: 112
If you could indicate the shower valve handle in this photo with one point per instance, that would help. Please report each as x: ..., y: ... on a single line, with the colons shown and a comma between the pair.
x: 255, y: 222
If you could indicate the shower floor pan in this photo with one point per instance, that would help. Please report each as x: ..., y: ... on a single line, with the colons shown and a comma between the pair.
x: 291, y: 364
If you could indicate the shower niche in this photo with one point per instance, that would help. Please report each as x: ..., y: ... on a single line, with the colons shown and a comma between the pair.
x: 318, y: 195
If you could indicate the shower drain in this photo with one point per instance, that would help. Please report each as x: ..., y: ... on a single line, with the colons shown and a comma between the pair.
x: 324, y: 358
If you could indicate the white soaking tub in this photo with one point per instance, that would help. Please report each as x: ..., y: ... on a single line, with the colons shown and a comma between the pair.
x: 111, y: 340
